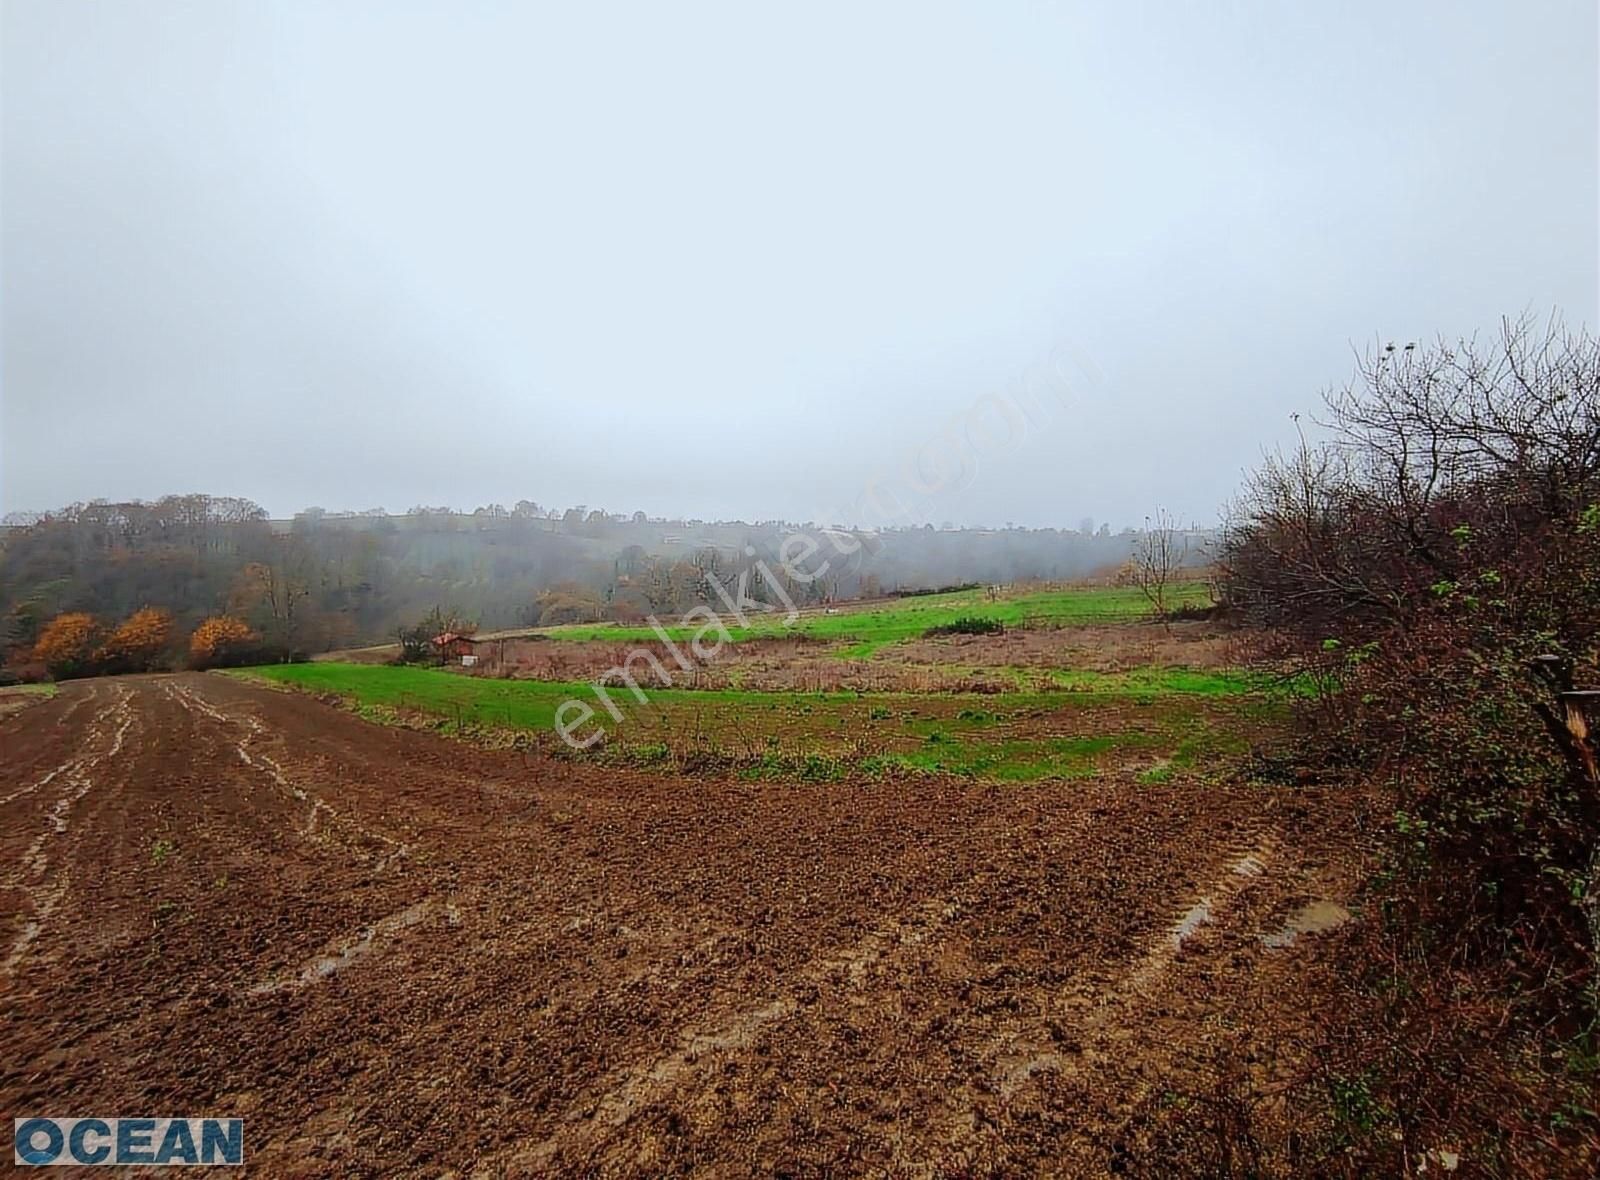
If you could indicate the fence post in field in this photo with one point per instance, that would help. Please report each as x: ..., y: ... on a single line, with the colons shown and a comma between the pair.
x: 1581, y: 707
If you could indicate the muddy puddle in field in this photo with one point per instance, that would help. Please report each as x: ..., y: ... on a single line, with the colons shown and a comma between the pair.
x: 1317, y: 917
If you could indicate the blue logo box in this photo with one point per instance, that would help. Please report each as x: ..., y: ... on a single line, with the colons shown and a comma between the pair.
x: 122, y: 1143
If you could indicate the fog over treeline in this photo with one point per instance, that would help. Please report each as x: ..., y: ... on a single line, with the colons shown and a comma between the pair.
x: 324, y: 580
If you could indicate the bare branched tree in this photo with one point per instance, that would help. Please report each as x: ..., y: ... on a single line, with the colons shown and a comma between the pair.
x: 1435, y: 557
x: 1158, y: 556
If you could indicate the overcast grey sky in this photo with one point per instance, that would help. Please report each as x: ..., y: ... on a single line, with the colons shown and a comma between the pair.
x: 733, y: 260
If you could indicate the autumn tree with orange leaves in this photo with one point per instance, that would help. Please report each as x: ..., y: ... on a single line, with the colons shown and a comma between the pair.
x: 138, y: 643
x: 220, y: 641
x: 67, y: 644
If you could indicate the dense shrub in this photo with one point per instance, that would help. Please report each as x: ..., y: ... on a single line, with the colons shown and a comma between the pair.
x: 224, y: 642
x: 966, y: 625
x: 927, y: 591
x: 142, y: 642
x: 67, y: 645
x: 1435, y: 566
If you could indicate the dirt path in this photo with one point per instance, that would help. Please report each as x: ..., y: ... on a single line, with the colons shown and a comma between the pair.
x: 393, y: 954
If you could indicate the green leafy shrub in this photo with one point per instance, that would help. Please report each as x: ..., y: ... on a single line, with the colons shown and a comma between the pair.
x: 966, y: 625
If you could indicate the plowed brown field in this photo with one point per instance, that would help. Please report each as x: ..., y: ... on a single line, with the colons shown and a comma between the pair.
x: 396, y: 954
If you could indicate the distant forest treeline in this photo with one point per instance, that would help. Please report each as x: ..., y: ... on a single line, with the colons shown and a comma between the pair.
x: 324, y: 580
